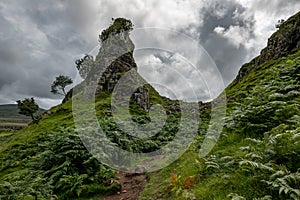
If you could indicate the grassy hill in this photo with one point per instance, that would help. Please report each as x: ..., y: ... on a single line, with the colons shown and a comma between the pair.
x: 258, y: 153
x: 11, y: 119
x: 256, y: 157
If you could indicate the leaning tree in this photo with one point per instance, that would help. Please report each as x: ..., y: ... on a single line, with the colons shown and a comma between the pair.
x: 60, y: 84
x: 28, y: 107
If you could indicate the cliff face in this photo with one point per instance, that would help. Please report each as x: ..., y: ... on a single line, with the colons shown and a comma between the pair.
x: 115, y: 58
x: 282, y: 43
x: 285, y: 41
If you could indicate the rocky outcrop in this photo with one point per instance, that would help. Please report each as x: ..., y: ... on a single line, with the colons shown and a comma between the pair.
x: 115, y: 58
x: 141, y: 98
x: 285, y: 41
x: 282, y: 43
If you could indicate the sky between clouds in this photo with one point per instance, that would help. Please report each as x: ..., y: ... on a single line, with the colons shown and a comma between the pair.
x: 39, y: 40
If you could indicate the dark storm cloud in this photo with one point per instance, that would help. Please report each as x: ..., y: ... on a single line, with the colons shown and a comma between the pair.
x: 221, y: 14
x: 61, y: 22
x: 227, y: 56
x: 38, y: 43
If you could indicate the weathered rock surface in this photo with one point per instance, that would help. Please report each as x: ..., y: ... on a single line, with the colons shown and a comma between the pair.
x: 115, y: 58
x: 283, y: 42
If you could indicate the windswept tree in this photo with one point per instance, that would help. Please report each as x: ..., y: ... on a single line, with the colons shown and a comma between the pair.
x: 60, y: 84
x: 28, y: 107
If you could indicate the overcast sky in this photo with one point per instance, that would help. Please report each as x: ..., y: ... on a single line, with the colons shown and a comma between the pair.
x: 39, y: 40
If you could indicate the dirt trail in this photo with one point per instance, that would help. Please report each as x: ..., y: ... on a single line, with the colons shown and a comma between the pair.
x: 131, y: 187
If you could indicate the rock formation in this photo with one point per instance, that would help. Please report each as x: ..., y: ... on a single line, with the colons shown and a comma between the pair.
x: 283, y: 42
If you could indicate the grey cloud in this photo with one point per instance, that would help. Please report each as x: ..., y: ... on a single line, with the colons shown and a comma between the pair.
x: 38, y: 43
x: 227, y: 56
x: 221, y: 14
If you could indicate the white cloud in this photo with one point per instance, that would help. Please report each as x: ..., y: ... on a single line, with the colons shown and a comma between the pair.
x: 237, y: 35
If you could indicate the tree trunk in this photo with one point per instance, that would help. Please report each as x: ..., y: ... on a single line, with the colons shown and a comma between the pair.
x: 63, y: 89
x: 32, y: 117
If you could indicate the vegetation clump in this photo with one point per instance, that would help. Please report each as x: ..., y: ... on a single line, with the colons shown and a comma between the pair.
x: 54, y: 166
x: 119, y: 25
x: 60, y: 83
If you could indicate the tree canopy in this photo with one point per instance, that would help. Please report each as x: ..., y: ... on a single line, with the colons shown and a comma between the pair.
x: 60, y: 83
x: 119, y: 25
x: 28, y: 107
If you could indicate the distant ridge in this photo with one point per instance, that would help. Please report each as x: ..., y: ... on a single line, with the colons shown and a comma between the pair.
x: 11, y: 119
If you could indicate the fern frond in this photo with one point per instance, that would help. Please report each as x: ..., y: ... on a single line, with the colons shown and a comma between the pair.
x: 212, y: 165
x: 246, y: 148
x: 279, y: 173
x: 253, y: 156
x: 266, y: 168
x: 234, y: 196
x: 226, y: 158
x: 248, y: 163
x: 254, y: 141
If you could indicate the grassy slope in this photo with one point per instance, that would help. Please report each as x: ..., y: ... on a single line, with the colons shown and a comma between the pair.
x: 21, y: 150
x: 51, y: 122
x: 218, y: 179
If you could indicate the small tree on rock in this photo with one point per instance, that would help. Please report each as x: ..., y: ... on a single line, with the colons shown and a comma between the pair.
x: 60, y: 83
x: 28, y: 107
x: 84, y: 65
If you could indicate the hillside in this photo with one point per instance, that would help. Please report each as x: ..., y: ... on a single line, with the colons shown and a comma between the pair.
x: 11, y: 119
x: 256, y: 157
x: 258, y: 153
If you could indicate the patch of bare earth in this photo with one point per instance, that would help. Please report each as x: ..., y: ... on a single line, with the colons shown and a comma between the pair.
x: 132, y: 186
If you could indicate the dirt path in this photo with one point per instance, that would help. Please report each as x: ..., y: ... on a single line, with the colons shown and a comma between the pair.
x: 131, y: 187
